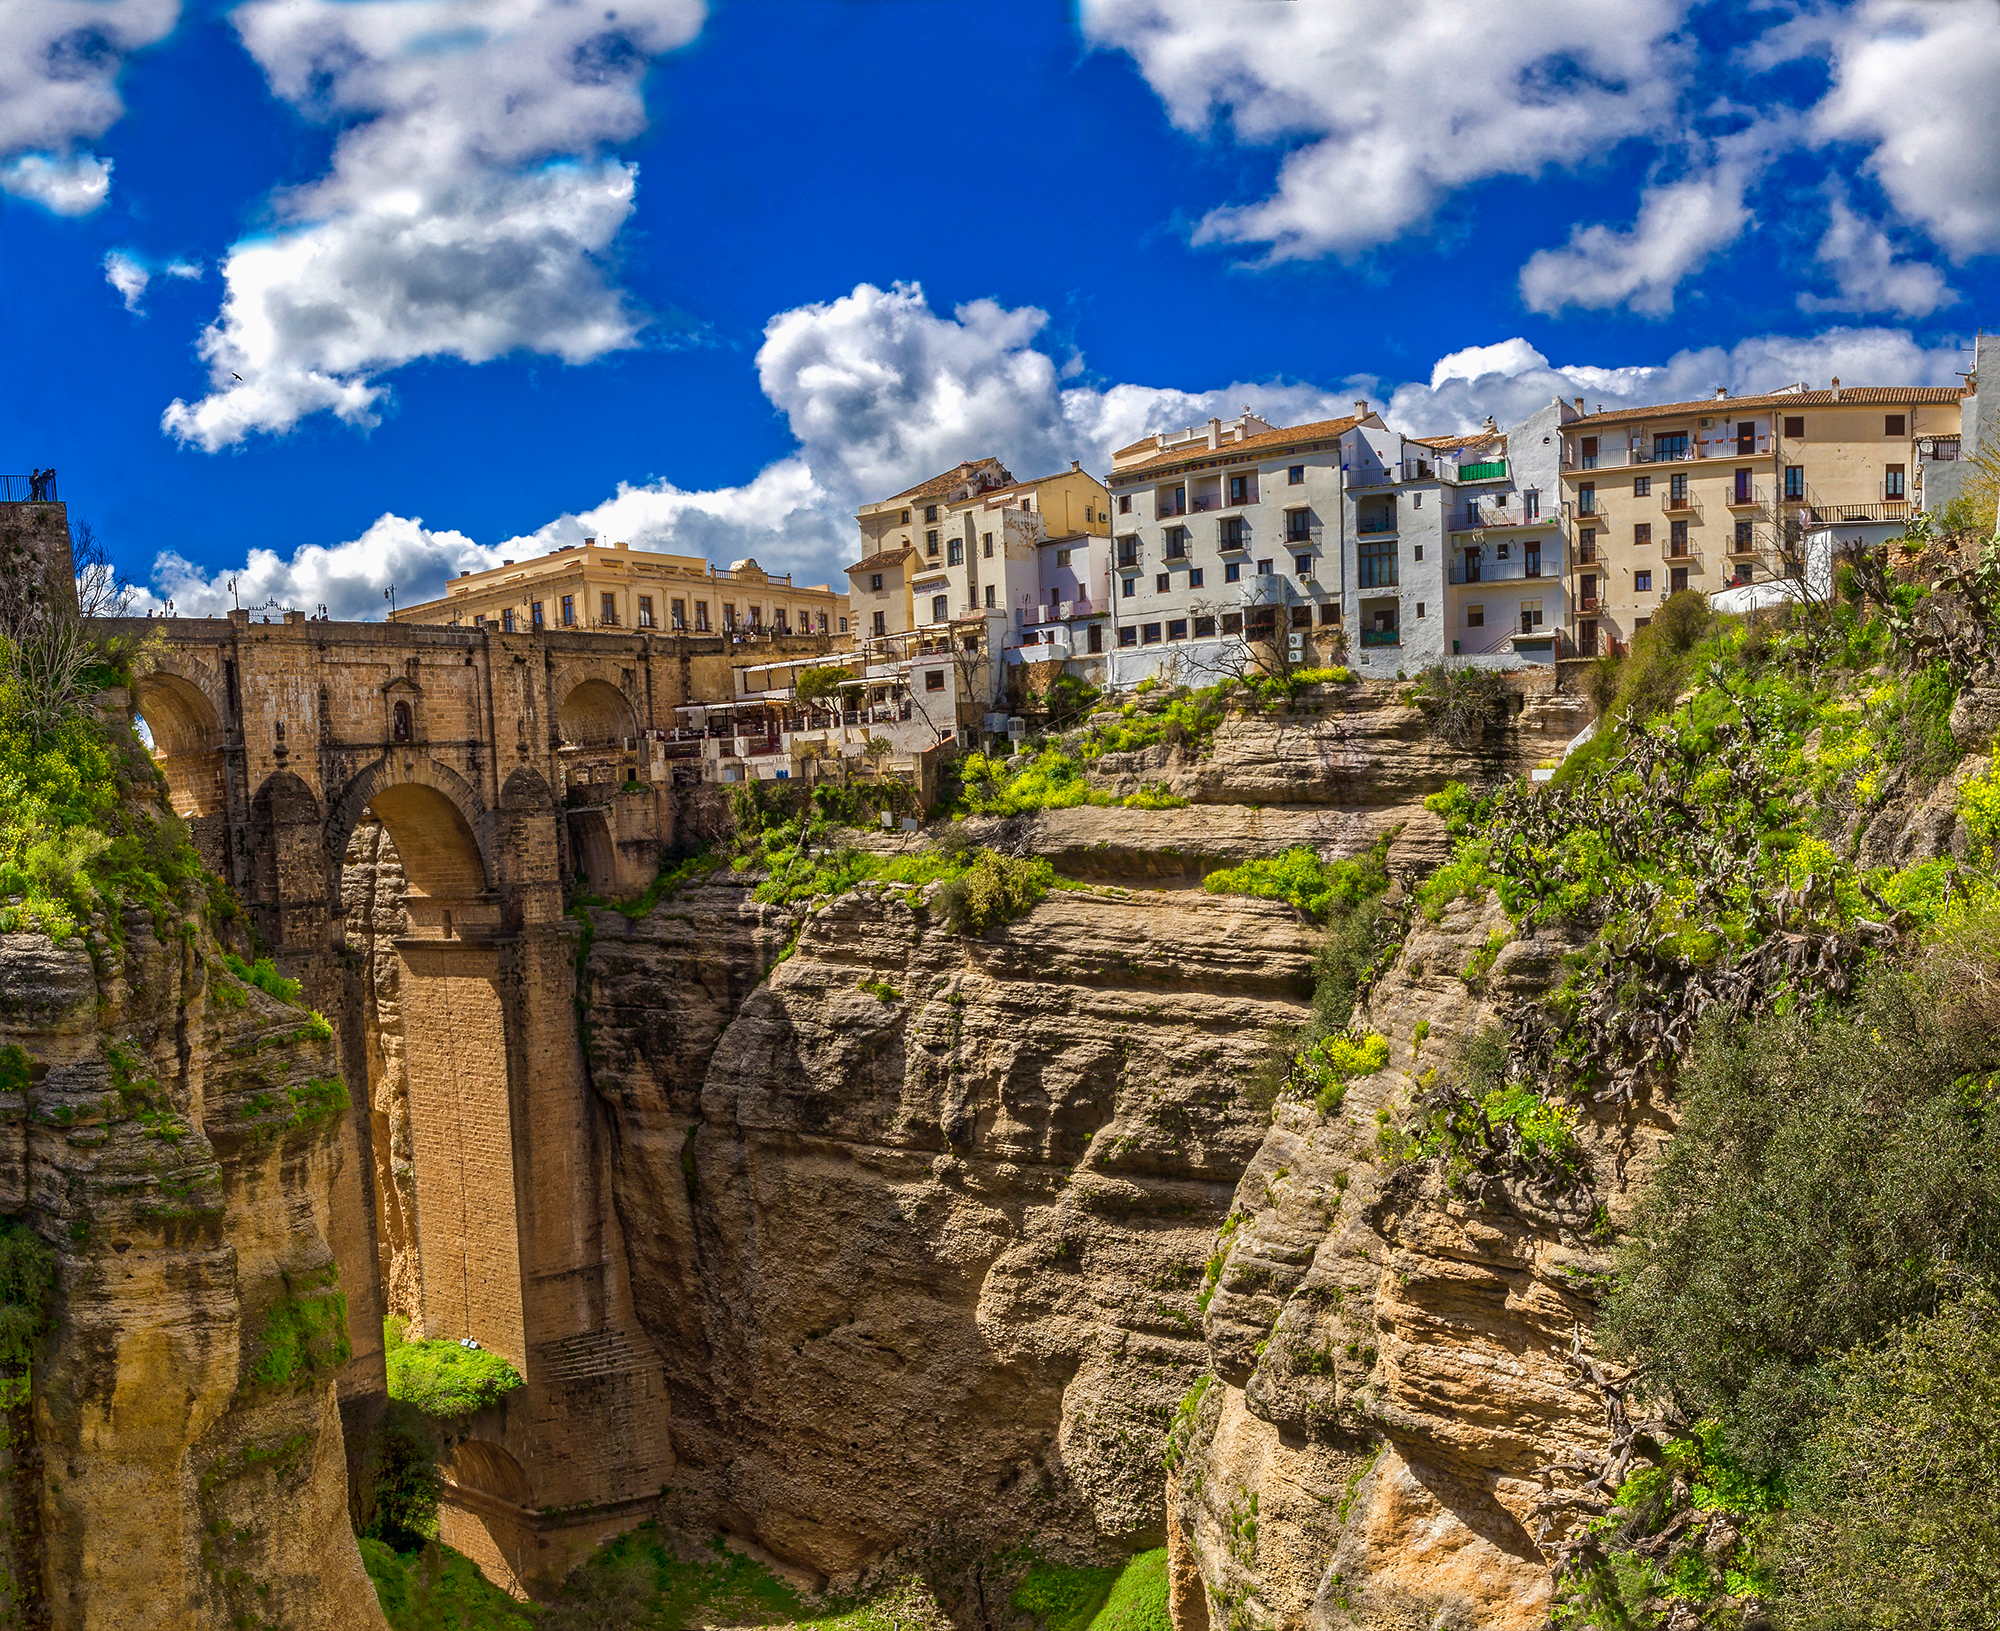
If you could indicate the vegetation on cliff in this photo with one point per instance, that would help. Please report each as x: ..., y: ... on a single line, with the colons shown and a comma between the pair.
x: 441, y: 1377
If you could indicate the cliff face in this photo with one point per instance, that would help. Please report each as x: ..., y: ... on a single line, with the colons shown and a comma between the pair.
x: 920, y: 1223
x: 173, y: 1144
x: 927, y: 1254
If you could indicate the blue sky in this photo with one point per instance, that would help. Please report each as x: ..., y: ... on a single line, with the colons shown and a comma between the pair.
x: 497, y: 274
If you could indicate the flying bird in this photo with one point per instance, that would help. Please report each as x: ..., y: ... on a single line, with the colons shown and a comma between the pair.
x: 237, y: 377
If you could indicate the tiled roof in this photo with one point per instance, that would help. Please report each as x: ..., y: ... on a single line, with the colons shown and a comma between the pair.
x: 952, y: 478
x: 1444, y: 444
x: 1318, y: 431
x: 881, y: 562
x: 1848, y: 396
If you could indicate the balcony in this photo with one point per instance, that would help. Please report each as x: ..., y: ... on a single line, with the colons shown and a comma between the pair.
x: 1938, y: 449
x: 1748, y: 498
x: 1676, y: 456
x: 1375, y: 526
x: 1593, y: 517
x: 1798, y: 513
x: 1684, y: 504
x: 1381, y: 637
x: 1587, y: 603
x: 1486, y: 470
x: 1500, y: 571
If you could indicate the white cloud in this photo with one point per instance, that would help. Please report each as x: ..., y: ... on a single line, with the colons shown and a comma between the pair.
x: 59, y: 90
x: 1679, y: 226
x: 468, y: 212
x: 1393, y: 108
x: 1513, y: 379
x: 131, y: 276
x: 1867, y: 274
x: 1919, y: 81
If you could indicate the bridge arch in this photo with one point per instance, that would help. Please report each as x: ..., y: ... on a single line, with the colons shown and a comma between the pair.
x: 186, y: 727
x: 435, y: 817
x: 596, y: 714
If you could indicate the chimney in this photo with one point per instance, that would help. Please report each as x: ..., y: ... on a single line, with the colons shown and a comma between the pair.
x: 1579, y: 404
x: 1721, y: 391
x: 1361, y: 408
x: 1836, y: 382
x: 1076, y: 464
x: 1490, y: 427
x: 1214, y: 431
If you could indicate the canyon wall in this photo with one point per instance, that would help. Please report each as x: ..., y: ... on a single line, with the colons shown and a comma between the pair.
x: 171, y: 1133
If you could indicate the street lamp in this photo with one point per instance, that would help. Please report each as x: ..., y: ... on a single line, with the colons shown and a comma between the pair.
x: 389, y: 594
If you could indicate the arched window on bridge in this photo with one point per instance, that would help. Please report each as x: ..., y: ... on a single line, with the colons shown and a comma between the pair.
x: 402, y: 722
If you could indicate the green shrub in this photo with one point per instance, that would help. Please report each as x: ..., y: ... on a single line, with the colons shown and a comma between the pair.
x: 438, y: 1589
x: 1300, y: 878
x: 264, y: 975
x: 441, y: 1378
x: 403, y: 1481
x: 995, y: 889
x: 305, y: 1333
x: 1061, y: 1598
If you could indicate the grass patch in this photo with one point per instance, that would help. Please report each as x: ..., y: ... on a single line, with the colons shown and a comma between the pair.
x: 1297, y: 876
x: 441, y: 1378
x: 305, y: 1333
x: 438, y: 1589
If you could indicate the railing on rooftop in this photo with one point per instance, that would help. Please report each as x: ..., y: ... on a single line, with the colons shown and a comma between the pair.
x: 28, y: 489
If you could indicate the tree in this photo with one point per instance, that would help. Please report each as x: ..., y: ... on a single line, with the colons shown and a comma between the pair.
x: 878, y: 749
x: 101, y: 589
x: 819, y: 685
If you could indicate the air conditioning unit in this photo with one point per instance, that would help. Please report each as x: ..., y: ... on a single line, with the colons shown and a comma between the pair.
x: 1296, y: 645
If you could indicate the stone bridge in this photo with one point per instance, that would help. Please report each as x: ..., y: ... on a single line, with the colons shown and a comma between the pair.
x: 502, y: 767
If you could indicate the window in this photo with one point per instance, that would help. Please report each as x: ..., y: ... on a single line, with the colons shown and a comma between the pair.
x: 507, y: 620
x: 1670, y: 444
x: 1796, y: 426
x: 989, y: 596
x: 1162, y: 582
x: 645, y: 611
x: 1531, y: 554
x: 954, y: 553
x: 1642, y: 535
x: 535, y: 613
x: 1128, y: 637
x: 940, y: 608
x: 1096, y: 640
x: 1263, y: 569
x: 1177, y: 541
x: 881, y: 622
x: 1642, y: 583
x: 1642, y: 486
x: 934, y: 679
x: 1893, y: 423
x: 843, y: 623
x: 1744, y: 535
x: 986, y: 545
x: 1892, y: 482
x: 1329, y: 612
x: 1232, y: 571
x: 1587, y: 589
x: 1195, y: 575
x: 1531, y: 616
x: 569, y: 611
x: 1204, y: 628
x: 930, y: 512
x: 1586, y: 452
x: 729, y: 616
x: 1177, y: 628
x: 1124, y: 503
x: 1746, y: 438
x: 1744, y: 492
x: 1795, y: 481
x: 1502, y: 550
x: 1302, y: 566
x: 1062, y: 558
x: 1417, y: 550
x: 822, y: 623
x: 1302, y: 617
x: 1677, y: 538
x: 1586, y: 544
x: 1230, y: 533
x: 1475, y: 617
x: 1296, y: 476
x: 1531, y: 505
x: 401, y: 726
x: 1416, y: 501
x: 1677, y: 491
x: 679, y: 611
x: 1150, y: 634
x: 1586, y: 499
x: 1298, y: 526
x: 1129, y: 587
x: 1128, y: 551
x: 875, y: 582
x: 931, y: 542
x: 478, y: 620
x: 1377, y: 562
x: 701, y: 616
x: 1420, y: 608
x: 1239, y: 489
x: 1678, y: 580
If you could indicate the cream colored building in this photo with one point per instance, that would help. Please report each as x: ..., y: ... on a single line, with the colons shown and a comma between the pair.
x: 613, y: 586
x: 1723, y: 491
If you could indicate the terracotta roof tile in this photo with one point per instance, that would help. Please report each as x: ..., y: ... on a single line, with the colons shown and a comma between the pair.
x: 876, y: 563
x: 1318, y: 431
x: 1848, y: 396
x: 952, y: 478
